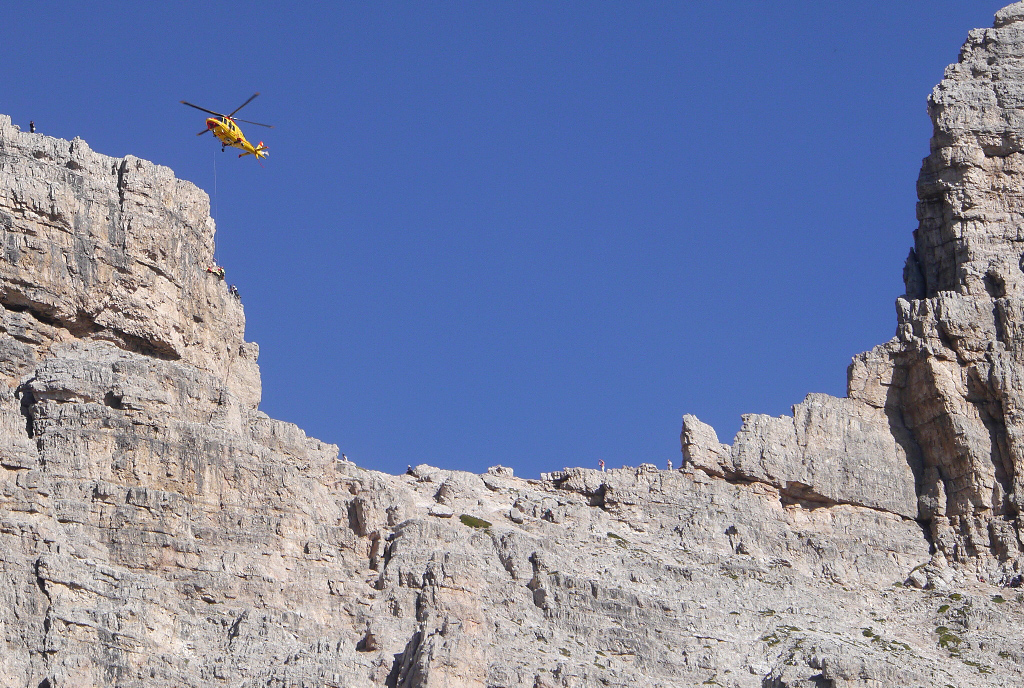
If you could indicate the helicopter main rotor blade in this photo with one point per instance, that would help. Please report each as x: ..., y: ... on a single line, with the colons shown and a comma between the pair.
x: 245, y: 103
x: 256, y: 123
x: 202, y: 132
x: 185, y: 102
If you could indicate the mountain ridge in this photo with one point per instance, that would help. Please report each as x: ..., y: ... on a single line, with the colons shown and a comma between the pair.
x: 156, y: 528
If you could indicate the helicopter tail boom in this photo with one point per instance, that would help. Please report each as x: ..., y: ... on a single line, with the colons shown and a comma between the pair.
x: 260, y: 151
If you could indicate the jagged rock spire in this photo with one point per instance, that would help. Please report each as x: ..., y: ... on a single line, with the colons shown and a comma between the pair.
x: 933, y: 426
x: 971, y: 210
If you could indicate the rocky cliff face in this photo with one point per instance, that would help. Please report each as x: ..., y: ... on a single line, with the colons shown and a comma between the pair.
x: 936, y: 414
x: 157, y: 529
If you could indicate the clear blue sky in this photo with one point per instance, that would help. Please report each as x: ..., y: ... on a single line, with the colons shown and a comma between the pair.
x: 530, y: 233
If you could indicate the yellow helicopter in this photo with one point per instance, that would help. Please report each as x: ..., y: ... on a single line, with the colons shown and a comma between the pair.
x: 225, y: 128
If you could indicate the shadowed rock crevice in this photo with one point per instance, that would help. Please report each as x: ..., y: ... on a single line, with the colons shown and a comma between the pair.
x: 26, y: 399
x: 84, y: 326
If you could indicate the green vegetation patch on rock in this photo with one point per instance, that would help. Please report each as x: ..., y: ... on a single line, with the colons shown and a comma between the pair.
x: 474, y: 522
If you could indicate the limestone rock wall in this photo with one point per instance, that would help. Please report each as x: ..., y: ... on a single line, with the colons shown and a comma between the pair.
x: 934, y: 424
x: 157, y: 529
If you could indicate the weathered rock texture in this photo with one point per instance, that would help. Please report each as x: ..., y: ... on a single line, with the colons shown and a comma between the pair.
x: 936, y: 414
x: 157, y: 529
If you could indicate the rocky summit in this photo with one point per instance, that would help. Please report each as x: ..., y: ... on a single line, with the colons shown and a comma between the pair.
x: 157, y: 529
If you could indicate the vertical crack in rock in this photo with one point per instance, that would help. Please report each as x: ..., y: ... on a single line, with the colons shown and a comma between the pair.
x: 400, y: 677
x: 47, y: 621
x: 122, y: 172
x: 26, y: 399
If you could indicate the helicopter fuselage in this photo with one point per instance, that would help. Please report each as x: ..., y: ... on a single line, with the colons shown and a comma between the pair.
x: 231, y: 135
